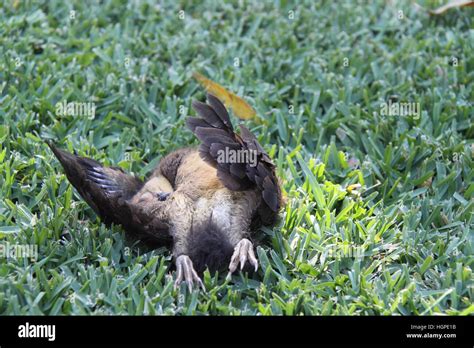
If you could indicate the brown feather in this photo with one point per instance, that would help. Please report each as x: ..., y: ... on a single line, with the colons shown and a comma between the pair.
x: 108, y: 190
x: 214, y: 129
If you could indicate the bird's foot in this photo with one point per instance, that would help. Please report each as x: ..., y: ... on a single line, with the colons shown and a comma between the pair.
x: 185, y: 272
x: 243, y: 252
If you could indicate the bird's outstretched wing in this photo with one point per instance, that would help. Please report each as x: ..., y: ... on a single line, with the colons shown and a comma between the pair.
x: 108, y: 191
x: 241, y: 161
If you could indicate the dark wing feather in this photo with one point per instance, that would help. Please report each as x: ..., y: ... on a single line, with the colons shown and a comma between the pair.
x: 209, y: 115
x: 194, y: 122
x: 107, y: 190
x: 214, y: 129
x: 211, y: 136
x: 220, y: 110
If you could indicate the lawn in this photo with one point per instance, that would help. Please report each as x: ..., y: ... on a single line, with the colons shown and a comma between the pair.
x: 320, y: 76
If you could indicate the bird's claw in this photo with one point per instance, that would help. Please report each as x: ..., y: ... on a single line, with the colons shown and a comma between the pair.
x: 185, y: 271
x: 243, y: 252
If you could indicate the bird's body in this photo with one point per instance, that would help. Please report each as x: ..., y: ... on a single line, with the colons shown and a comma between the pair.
x: 207, y: 207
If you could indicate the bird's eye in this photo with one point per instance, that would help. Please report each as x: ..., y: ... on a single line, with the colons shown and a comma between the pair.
x: 162, y: 196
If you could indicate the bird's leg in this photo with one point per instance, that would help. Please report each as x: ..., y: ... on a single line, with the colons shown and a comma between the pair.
x: 186, y: 272
x: 239, y: 230
x: 243, y: 252
x: 184, y: 266
x: 181, y: 216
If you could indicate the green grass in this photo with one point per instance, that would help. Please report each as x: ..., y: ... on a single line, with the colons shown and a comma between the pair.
x: 410, y: 222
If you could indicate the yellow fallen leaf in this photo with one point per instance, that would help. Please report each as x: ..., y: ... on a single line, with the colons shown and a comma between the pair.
x: 239, y: 106
x: 450, y: 5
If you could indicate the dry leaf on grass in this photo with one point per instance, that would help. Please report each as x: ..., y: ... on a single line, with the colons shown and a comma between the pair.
x: 450, y: 5
x: 239, y: 106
